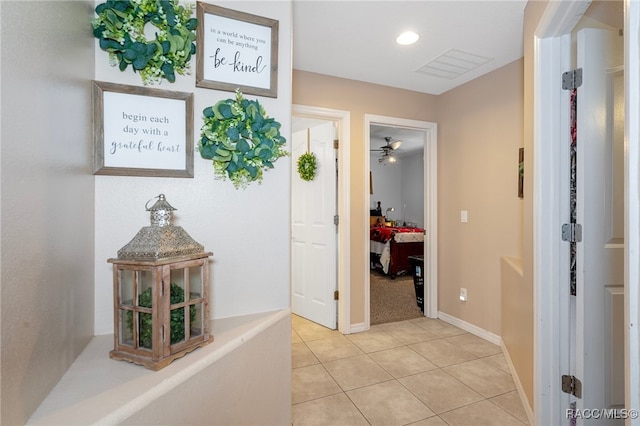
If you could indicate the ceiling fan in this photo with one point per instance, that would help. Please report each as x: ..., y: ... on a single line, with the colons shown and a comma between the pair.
x: 387, y: 150
x: 390, y: 146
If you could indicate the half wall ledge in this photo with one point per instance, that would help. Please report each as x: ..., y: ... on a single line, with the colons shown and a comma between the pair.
x: 247, y: 365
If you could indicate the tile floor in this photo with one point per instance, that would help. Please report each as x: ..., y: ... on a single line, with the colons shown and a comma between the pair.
x: 418, y: 372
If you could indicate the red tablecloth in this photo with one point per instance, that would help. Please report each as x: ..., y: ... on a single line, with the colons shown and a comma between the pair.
x: 383, y: 234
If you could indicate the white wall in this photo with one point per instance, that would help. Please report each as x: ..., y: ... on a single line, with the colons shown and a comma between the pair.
x: 47, y: 195
x: 400, y: 186
x: 413, y: 188
x: 247, y: 230
x: 387, y: 182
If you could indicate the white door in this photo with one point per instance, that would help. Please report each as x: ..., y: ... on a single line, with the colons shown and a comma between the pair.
x: 599, y: 349
x: 314, y: 234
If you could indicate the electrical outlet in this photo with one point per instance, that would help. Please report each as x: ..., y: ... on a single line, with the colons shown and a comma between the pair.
x: 464, y: 218
x: 463, y: 294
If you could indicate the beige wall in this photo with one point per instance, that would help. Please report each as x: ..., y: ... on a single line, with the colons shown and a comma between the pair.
x: 360, y: 98
x: 47, y: 198
x: 479, y: 134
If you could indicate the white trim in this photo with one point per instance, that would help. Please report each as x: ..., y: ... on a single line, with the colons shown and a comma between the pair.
x: 632, y: 206
x: 521, y: 393
x: 550, y: 206
x: 343, y: 118
x: 358, y: 327
x: 430, y: 130
x: 559, y: 18
x: 551, y: 304
x: 471, y: 328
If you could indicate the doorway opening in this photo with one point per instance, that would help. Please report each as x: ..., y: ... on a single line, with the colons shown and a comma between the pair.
x: 394, y: 209
x: 396, y: 205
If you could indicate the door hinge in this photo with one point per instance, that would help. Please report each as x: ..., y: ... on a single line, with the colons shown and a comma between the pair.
x: 572, y: 79
x: 571, y: 385
x: 336, y: 220
x: 336, y: 295
x: 336, y: 143
x: 572, y: 232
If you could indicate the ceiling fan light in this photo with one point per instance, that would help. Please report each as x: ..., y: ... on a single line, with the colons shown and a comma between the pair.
x: 396, y: 145
x: 406, y: 38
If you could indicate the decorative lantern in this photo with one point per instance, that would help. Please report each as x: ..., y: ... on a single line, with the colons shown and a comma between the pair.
x: 160, y: 293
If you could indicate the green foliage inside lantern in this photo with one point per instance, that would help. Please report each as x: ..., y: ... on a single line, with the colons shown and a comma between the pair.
x: 176, y: 323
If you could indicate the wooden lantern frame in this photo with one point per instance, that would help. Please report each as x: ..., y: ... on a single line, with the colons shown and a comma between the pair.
x: 162, y: 352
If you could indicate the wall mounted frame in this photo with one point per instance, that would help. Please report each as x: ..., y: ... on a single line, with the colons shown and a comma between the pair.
x: 139, y: 131
x: 236, y: 50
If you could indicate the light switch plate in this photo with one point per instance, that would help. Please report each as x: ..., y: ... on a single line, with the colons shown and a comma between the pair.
x: 463, y: 294
x: 463, y: 216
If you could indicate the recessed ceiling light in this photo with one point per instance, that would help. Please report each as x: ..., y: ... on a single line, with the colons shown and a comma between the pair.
x: 408, y: 37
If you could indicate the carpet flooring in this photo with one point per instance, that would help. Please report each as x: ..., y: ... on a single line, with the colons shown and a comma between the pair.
x: 392, y: 300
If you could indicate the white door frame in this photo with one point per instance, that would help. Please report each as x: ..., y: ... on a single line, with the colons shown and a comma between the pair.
x: 632, y: 206
x: 342, y: 118
x: 550, y: 179
x: 430, y: 206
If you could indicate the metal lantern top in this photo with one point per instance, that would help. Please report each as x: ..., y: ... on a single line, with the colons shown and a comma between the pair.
x: 161, y: 212
x: 161, y: 239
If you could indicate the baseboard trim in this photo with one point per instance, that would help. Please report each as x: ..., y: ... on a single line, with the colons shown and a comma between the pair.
x: 473, y: 329
x: 523, y: 396
x: 357, y: 328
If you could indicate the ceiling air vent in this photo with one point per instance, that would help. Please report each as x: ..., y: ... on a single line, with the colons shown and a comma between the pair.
x: 452, y: 64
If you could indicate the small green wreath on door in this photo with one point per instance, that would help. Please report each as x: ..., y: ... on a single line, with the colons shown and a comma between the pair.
x: 307, y: 166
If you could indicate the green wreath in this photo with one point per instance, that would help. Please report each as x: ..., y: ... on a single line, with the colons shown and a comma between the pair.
x: 307, y: 166
x: 240, y: 139
x: 120, y: 29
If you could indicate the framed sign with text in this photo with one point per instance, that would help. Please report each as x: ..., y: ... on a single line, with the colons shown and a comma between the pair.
x: 236, y: 50
x: 140, y: 131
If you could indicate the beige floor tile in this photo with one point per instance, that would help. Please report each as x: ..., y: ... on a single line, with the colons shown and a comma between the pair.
x: 482, y: 413
x: 356, y: 372
x: 402, y: 361
x: 294, y: 337
x: 331, y: 410
x: 471, y: 370
x: 439, y: 327
x: 389, y: 403
x: 474, y: 344
x: 482, y: 377
x: 308, y: 383
x: 440, y: 391
x: 442, y: 353
x: 408, y: 332
x: 498, y: 361
x: 309, y: 331
x: 512, y: 404
x: 333, y: 348
x: 373, y: 341
x: 301, y: 356
x: 431, y: 421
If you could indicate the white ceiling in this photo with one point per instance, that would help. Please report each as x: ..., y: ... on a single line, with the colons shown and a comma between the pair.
x: 356, y: 39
